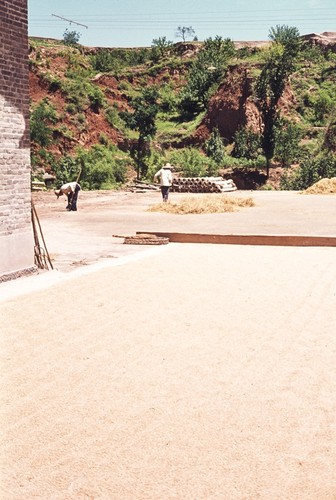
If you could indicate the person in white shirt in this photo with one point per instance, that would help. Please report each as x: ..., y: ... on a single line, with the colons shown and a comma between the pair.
x: 164, y: 175
x: 71, y: 189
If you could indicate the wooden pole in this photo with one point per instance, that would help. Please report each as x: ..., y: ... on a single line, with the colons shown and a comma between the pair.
x: 39, y: 225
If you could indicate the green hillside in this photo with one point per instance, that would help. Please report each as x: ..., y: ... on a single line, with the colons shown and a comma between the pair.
x: 262, y: 114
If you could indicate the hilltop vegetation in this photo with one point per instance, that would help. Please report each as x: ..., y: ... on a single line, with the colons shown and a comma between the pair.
x: 207, y: 107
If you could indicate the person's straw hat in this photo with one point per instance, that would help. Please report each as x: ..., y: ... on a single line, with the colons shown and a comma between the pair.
x: 167, y: 165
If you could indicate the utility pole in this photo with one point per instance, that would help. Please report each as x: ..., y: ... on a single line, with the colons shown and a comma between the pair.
x: 70, y: 21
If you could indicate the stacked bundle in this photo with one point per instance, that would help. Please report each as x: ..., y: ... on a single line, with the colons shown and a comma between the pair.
x: 202, y: 185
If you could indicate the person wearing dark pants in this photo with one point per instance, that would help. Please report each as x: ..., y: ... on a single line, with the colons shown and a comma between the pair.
x: 164, y: 175
x: 71, y: 190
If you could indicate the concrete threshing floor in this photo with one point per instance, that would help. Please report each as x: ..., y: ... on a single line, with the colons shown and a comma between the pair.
x: 180, y: 371
x: 79, y: 238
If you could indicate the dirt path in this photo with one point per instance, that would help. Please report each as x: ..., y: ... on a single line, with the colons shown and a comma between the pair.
x: 198, y: 371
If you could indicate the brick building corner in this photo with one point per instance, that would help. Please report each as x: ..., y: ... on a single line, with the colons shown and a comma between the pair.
x: 16, y: 235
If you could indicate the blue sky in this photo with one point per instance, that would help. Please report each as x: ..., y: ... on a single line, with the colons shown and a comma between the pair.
x: 135, y: 23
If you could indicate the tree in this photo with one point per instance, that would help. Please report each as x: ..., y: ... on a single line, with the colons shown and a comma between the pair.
x: 330, y: 138
x: 142, y: 119
x: 279, y: 65
x: 246, y: 144
x: 160, y: 46
x: 214, y: 146
x: 184, y: 32
x: 205, y: 73
x: 287, y: 138
x: 71, y: 37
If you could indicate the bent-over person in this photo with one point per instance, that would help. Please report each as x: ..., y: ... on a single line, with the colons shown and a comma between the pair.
x: 71, y: 190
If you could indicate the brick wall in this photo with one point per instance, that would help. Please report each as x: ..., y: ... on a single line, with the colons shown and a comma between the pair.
x: 16, y: 238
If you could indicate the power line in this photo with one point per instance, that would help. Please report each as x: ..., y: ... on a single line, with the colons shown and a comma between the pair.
x: 224, y: 22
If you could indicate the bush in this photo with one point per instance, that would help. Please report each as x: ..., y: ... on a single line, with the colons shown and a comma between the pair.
x: 311, y: 171
x: 287, y: 138
x: 96, y: 97
x: 41, y: 118
x: 192, y: 163
x: 214, y: 147
x: 167, y: 100
x: 108, y: 60
x: 81, y: 94
x: 113, y: 118
x: 101, y: 167
x: 247, y: 144
x: 330, y: 137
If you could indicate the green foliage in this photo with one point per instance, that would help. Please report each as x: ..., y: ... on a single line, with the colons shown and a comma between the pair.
x: 167, y: 98
x: 114, y: 60
x: 190, y: 162
x: 52, y: 81
x: 246, y: 144
x: 43, y: 159
x: 41, y: 119
x: 206, y: 71
x: 311, y: 54
x: 311, y: 170
x: 288, y: 37
x: 66, y: 170
x: 113, y: 118
x: 155, y: 161
x: 324, y: 104
x: 145, y: 110
x: 279, y: 65
x: 82, y: 94
x: 142, y: 119
x: 182, y: 101
x: 287, y: 139
x: 214, y: 147
x: 160, y: 47
x: 330, y: 137
x: 101, y: 167
x: 251, y: 53
x: 96, y: 97
x: 71, y: 37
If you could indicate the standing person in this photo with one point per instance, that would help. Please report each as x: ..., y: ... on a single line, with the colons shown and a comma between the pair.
x: 166, y: 179
x: 71, y: 189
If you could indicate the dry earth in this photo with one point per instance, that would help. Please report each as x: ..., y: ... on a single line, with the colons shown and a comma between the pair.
x: 186, y: 371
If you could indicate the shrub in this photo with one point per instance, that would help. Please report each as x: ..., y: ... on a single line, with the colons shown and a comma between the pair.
x: 167, y: 99
x: 81, y: 94
x: 41, y: 118
x: 192, y: 163
x: 287, y: 138
x: 214, y: 147
x: 96, y: 97
x: 311, y: 171
x: 113, y: 118
x: 101, y: 167
x: 247, y: 144
x: 330, y: 137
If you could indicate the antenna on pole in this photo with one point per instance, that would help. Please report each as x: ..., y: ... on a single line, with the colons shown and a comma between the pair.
x: 70, y: 21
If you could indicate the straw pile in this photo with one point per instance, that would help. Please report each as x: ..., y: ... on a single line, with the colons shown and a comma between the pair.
x: 203, y: 205
x: 324, y: 186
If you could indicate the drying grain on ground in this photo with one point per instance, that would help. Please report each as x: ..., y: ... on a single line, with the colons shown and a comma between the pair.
x: 203, y: 205
x: 323, y: 186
